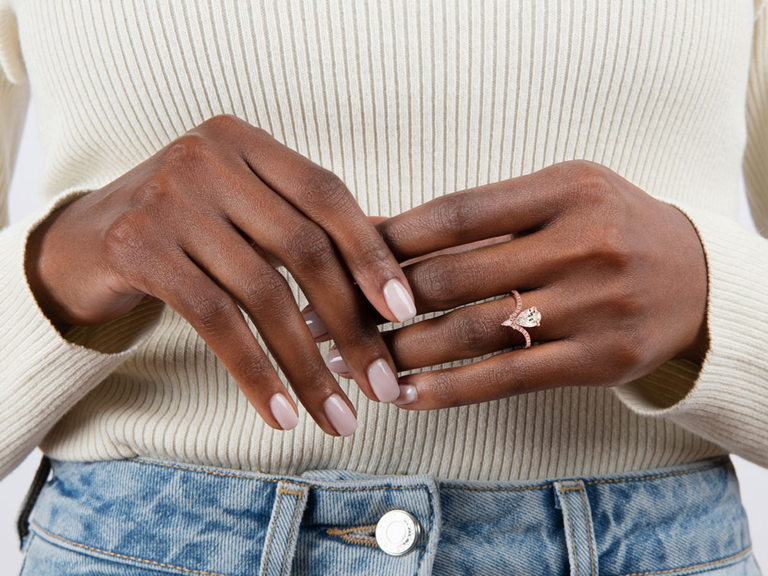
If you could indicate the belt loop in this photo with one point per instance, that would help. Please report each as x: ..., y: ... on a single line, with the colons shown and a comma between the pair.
x: 283, y: 529
x: 579, y: 531
x: 41, y: 477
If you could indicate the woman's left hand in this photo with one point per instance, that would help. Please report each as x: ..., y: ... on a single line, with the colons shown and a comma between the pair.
x: 618, y: 277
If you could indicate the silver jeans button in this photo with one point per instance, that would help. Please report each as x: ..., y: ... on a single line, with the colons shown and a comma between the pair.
x: 397, y: 532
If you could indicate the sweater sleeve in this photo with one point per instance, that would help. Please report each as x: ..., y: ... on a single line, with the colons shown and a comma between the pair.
x: 725, y: 399
x: 42, y: 372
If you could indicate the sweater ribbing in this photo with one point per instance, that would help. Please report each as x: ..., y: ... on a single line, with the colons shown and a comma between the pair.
x: 405, y: 101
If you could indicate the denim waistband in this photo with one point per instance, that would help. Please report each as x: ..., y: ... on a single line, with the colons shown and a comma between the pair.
x: 189, y: 519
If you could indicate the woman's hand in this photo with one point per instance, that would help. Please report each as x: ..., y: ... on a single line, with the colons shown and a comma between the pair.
x: 618, y: 276
x: 202, y: 225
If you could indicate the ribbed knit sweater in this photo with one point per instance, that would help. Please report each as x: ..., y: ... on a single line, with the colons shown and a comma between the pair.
x: 405, y: 100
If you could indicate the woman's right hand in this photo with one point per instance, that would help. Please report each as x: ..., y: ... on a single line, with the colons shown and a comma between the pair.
x: 202, y: 225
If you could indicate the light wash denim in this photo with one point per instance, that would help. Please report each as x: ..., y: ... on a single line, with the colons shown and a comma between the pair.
x: 145, y: 517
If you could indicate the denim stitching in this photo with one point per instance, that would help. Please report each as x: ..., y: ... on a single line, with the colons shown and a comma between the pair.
x: 440, y: 484
x: 589, y: 529
x: 641, y: 478
x: 276, y: 480
x: 293, y: 524
x: 712, y: 563
x: 606, y: 481
x: 276, y: 518
x: 573, y: 535
x: 490, y: 489
x: 429, y: 532
x: 297, y: 493
x: 124, y: 556
x: 345, y: 534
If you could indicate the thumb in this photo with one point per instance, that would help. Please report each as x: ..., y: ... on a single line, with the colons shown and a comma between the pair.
x: 377, y: 219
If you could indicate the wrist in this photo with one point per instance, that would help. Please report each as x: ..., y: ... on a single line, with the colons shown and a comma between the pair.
x: 38, y: 271
x: 697, y: 350
x: 692, y: 266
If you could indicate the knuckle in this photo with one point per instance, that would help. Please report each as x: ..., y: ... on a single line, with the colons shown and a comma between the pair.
x: 253, y: 368
x: 359, y: 331
x: 309, y: 248
x: 153, y: 193
x: 375, y: 255
x: 586, y: 175
x: 323, y: 187
x: 470, y: 331
x: 263, y: 291
x: 315, y: 373
x: 434, y: 282
x: 457, y: 212
x: 213, y: 312
x: 627, y: 351
x: 126, y: 234
x: 628, y: 300
x: 611, y: 246
x: 224, y: 122
x: 443, y: 389
x: 188, y: 148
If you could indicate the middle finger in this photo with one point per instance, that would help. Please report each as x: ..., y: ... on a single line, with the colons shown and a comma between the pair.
x: 311, y: 257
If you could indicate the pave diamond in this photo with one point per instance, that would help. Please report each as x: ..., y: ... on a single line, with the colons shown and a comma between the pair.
x: 529, y: 317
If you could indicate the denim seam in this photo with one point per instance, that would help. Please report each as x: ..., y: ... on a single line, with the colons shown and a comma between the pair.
x: 574, y: 545
x: 272, y: 532
x: 703, y: 565
x: 580, y: 488
x: 345, y: 534
x: 430, y: 496
x: 123, y: 556
x: 293, y: 525
x: 280, y: 479
x: 589, y: 529
x: 440, y: 484
x: 606, y: 481
x: 665, y: 475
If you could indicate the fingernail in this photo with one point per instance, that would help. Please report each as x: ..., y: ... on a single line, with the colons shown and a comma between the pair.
x: 408, y: 395
x: 383, y: 381
x: 316, y: 327
x: 340, y: 416
x: 399, y: 300
x: 283, y: 411
x: 335, y: 362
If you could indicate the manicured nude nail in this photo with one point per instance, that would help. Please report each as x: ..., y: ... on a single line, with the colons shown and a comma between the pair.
x: 283, y: 411
x: 335, y: 362
x: 316, y: 327
x: 383, y: 381
x: 340, y: 416
x: 399, y: 300
x: 408, y: 395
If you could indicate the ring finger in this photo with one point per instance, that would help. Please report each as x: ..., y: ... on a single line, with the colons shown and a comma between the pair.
x: 475, y: 330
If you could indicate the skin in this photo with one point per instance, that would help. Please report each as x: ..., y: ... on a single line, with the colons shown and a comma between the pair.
x: 619, y: 278
x: 202, y: 225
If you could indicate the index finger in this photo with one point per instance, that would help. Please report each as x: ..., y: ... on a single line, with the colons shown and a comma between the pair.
x: 475, y: 214
x: 322, y: 196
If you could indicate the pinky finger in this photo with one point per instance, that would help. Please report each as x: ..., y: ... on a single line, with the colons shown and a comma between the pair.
x: 219, y: 321
x: 543, y: 366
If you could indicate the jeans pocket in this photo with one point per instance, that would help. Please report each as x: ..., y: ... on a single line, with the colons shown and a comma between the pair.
x: 44, y: 557
x: 746, y: 567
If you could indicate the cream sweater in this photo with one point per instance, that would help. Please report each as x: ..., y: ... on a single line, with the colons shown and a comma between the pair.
x: 405, y: 100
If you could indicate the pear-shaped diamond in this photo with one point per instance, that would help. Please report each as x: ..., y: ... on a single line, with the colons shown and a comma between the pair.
x: 529, y: 317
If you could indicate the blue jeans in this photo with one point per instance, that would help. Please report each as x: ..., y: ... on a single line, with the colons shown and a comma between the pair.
x: 145, y: 517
